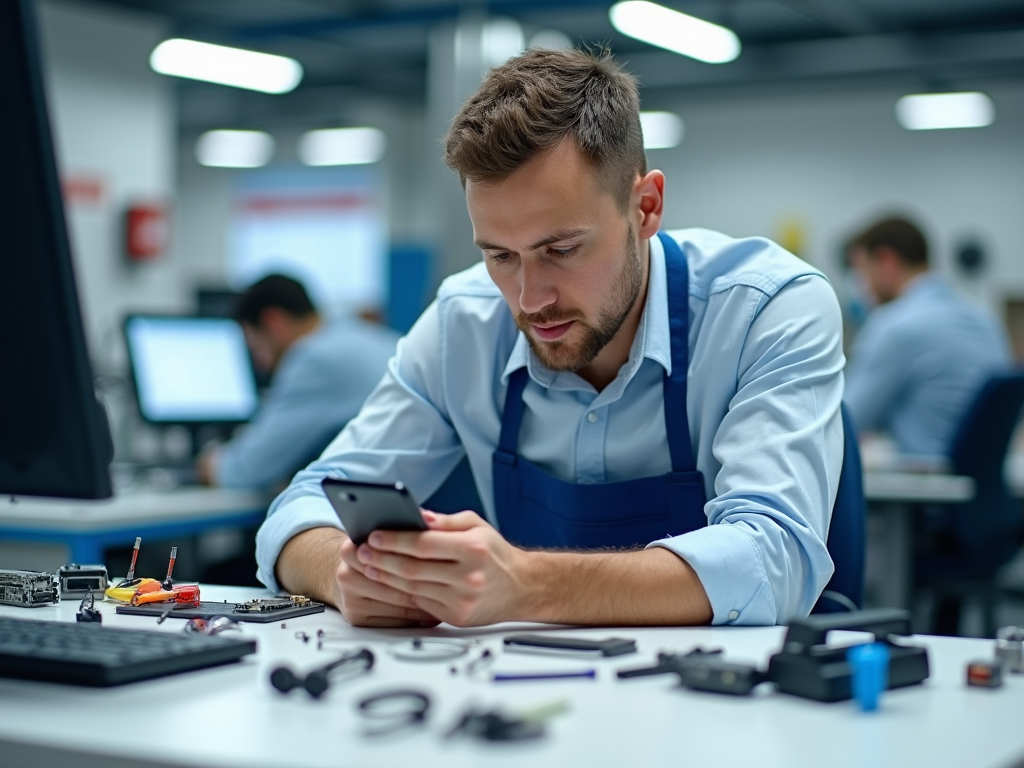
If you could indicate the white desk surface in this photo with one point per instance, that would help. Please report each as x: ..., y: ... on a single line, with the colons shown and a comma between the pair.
x: 154, y: 506
x: 230, y: 716
x: 919, y: 487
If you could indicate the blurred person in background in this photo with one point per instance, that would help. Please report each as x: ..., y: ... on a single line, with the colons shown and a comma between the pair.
x: 924, y: 351
x: 322, y: 370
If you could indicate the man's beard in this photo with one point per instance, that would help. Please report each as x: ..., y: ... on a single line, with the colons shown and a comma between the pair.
x: 561, y: 356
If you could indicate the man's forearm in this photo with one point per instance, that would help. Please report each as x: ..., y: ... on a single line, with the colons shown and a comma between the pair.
x: 650, y: 587
x: 309, y: 561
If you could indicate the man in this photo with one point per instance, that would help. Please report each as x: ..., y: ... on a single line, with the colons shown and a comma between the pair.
x: 924, y: 352
x: 323, y: 372
x: 604, y: 381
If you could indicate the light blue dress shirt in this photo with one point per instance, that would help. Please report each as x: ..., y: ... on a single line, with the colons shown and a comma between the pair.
x: 918, y: 362
x: 319, y: 386
x: 765, y: 384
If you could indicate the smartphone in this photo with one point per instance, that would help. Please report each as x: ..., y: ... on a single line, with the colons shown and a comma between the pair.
x: 367, y: 507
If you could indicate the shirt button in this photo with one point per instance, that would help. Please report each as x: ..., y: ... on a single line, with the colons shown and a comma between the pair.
x: 733, y: 615
x: 591, y: 417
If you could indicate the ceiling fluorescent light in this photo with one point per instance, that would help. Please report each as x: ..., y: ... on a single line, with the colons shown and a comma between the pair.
x: 932, y: 111
x: 342, y: 146
x: 662, y: 130
x: 675, y: 31
x: 226, y: 66
x: 234, y: 149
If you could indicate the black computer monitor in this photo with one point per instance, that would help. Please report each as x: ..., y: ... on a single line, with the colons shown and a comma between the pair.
x: 54, y: 439
x: 190, y: 370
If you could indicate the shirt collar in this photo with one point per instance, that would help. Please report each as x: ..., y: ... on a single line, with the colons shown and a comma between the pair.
x: 652, y: 337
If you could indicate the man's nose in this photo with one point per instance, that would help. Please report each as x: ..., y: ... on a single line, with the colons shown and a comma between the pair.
x: 536, y: 291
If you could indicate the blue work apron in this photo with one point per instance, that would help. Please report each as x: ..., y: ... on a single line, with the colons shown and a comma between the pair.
x: 536, y: 509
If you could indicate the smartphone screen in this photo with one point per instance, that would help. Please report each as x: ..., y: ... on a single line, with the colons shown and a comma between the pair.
x: 367, y: 507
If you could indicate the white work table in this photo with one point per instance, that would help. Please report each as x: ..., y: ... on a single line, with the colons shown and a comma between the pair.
x: 230, y: 716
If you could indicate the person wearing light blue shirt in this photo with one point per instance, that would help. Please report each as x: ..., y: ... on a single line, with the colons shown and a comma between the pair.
x: 652, y: 420
x: 923, y: 354
x: 323, y: 370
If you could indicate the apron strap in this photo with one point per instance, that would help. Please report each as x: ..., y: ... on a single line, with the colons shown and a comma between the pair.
x: 512, y: 416
x: 677, y: 425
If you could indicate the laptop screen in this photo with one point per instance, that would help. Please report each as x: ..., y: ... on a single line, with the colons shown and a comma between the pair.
x: 190, y: 370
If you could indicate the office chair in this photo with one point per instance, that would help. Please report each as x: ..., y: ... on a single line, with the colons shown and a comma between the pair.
x: 982, y: 535
x: 847, y: 531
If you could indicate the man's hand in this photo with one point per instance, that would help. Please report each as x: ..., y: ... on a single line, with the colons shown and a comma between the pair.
x: 313, y: 563
x: 461, y: 571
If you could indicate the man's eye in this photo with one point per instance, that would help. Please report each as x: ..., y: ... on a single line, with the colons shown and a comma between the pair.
x: 500, y: 258
x: 563, y: 253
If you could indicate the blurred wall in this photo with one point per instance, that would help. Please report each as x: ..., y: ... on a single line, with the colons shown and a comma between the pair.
x: 114, y: 122
x: 831, y: 161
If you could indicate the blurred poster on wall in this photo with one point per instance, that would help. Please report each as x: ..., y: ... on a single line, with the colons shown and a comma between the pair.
x: 325, y: 227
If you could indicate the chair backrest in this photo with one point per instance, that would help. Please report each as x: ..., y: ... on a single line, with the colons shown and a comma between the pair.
x: 847, y: 531
x: 978, y: 450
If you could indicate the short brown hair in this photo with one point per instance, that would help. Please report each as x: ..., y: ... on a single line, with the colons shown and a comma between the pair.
x: 534, y: 100
x: 897, y: 233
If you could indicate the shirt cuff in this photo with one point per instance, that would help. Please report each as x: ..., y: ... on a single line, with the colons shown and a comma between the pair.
x: 284, y: 523
x: 728, y: 563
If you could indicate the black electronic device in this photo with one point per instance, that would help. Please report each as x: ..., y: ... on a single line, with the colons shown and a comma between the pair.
x: 810, y: 668
x: 259, y: 611
x: 576, y: 646
x: 78, y: 580
x: 367, y: 507
x: 90, y: 654
x: 54, y: 437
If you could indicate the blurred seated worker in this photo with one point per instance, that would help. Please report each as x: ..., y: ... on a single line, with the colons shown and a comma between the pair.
x: 322, y: 369
x: 923, y: 352
x: 652, y: 421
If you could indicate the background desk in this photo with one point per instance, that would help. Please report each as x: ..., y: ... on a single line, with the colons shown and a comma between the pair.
x: 86, y: 527
x: 891, y: 498
x: 229, y: 716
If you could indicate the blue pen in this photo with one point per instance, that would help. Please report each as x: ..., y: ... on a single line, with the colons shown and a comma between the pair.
x: 500, y: 678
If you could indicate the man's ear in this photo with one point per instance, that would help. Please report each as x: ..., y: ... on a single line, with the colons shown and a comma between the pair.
x: 649, y: 194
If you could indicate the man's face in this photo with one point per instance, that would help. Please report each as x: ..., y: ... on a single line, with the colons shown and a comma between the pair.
x: 564, y: 256
x: 262, y: 346
x: 874, y: 270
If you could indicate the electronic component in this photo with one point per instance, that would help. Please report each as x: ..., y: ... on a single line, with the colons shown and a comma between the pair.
x: 808, y: 667
x: 299, y: 606
x: 710, y: 673
x: 271, y: 604
x: 28, y: 589
x: 667, y: 663
x: 87, y: 612
x: 1010, y: 648
x: 495, y: 725
x: 985, y: 674
x: 609, y: 646
x: 76, y: 580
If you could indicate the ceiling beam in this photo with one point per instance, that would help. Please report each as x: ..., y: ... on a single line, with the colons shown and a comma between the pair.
x: 863, y: 55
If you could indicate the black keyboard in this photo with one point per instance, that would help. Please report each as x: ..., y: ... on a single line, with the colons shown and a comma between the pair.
x: 91, y: 654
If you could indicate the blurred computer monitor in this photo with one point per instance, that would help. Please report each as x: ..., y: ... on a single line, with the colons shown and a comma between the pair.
x: 190, y: 370
x: 54, y: 438
x: 216, y: 302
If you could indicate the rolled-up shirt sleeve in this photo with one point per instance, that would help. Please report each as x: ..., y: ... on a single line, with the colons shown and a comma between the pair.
x: 762, y: 559
x: 402, y: 433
